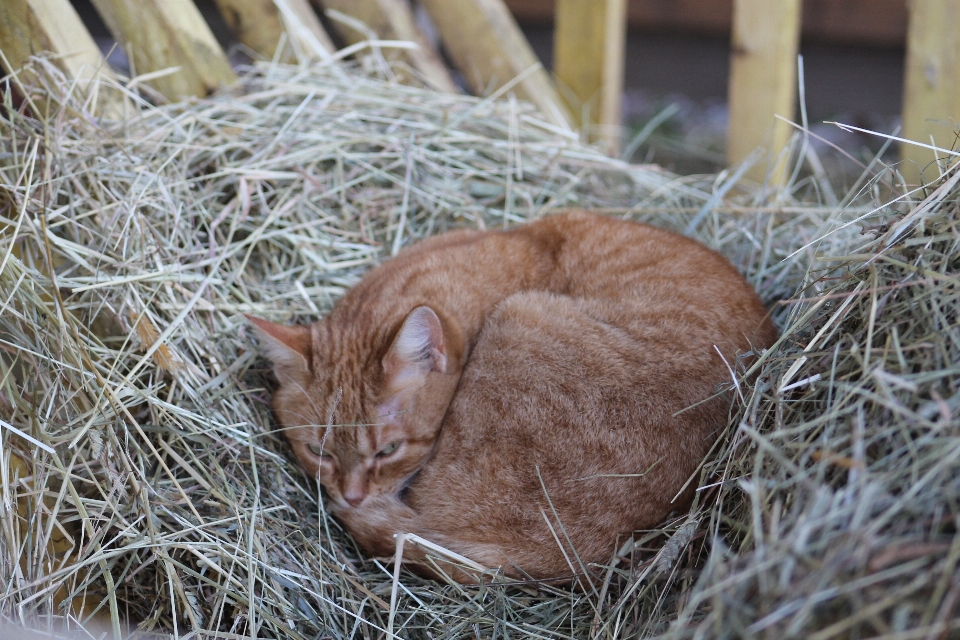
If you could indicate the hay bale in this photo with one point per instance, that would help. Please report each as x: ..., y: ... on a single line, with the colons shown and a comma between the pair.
x: 137, y: 407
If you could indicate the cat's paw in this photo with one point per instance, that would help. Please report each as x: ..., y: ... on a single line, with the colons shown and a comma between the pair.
x: 375, y: 522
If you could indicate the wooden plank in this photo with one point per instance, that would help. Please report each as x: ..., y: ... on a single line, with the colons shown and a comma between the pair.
x: 763, y: 79
x: 299, y: 14
x: 393, y: 20
x: 588, y: 54
x: 875, y: 22
x: 704, y: 16
x: 28, y: 27
x: 259, y: 24
x: 489, y: 49
x: 931, y: 103
x: 162, y: 34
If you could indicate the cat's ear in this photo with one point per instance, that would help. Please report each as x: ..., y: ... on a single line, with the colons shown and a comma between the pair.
x: 418, y: 349
x: 287, y: 347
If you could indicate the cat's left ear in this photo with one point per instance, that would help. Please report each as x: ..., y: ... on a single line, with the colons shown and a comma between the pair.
x: 287, y: 347
x: 418, y: 349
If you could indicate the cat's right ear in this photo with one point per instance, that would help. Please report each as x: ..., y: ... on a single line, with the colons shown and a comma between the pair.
x: 287, y: 347
x: 418, y: 349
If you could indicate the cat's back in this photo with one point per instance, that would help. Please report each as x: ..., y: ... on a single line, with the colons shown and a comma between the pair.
x: 657, y: 275
x: 599, y: 253
x: 466, y: 269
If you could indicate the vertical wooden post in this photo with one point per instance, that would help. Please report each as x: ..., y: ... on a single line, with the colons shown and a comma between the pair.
x: 169, y: 33
x: 31, y: 26
x: 763, y: 80
x: 588, y: 51
x: 489, y: 49
x: 393, y: 20
x: 259, y: 25
x: 931, y: 102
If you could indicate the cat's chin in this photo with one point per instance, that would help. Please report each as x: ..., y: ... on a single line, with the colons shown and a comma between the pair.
x: 339, y: 506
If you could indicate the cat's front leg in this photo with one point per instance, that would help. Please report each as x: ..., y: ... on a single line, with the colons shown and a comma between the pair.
x: 377, y: 522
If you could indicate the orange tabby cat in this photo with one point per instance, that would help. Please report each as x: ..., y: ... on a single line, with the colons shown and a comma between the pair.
x: 519, y: 397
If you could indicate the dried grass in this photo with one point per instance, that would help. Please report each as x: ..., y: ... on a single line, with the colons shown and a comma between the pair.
x: 140, y: 472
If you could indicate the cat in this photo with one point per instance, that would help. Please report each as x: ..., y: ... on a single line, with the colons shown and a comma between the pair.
x: 520, y: 397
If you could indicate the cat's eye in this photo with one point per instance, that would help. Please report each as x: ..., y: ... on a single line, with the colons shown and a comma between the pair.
x: 317, y: 449
x: 387, y: 450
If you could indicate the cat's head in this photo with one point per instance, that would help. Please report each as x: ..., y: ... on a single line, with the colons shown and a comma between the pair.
x: 360, y: 417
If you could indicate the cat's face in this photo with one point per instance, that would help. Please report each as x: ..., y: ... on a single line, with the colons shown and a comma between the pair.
x: 362, y: 424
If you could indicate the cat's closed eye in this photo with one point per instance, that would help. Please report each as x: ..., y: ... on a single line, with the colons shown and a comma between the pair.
x: 387, y: 450
x: 316, y: 449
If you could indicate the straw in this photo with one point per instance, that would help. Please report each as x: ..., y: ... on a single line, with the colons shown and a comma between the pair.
x: 141, y: 474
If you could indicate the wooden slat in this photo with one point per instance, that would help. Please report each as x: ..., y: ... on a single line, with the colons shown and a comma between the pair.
x: 28, y: 27
x: 588, y: 55
x: 706, y: 16
x: 931, y: 104
x: 302, y: 13
x: 393, y: 20
x: 763, y: 78
x: 259, y: 25
x: 877, y: 22
x: 168, y: 33
x: 489, y: 49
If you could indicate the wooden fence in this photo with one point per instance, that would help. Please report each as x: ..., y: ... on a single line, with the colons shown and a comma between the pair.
x: 488, y: 49
x: 871, y: 22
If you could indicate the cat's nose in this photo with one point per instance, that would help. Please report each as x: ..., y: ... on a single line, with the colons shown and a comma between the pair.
x: 354, y: 487
x: 354, y: 498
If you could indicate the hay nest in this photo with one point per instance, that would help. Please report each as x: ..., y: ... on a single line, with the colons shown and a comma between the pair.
x: 142, y: 482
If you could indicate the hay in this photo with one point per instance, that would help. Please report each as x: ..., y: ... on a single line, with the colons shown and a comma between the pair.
x: 149, y: 481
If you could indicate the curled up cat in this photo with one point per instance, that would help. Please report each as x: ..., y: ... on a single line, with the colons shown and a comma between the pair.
x: 522, y: 398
